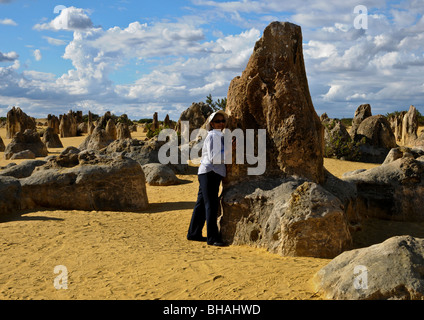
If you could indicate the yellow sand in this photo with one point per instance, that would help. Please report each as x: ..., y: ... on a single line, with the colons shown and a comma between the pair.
x: 142, y: 255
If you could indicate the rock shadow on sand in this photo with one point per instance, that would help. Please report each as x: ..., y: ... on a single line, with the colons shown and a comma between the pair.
x: 162, y: 207
x: 22, y: 216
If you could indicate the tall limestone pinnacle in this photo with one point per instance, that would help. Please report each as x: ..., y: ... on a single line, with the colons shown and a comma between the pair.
x: 273, y: 94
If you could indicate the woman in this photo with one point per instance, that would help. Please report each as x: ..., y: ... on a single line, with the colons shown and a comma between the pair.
x: 211, y: 171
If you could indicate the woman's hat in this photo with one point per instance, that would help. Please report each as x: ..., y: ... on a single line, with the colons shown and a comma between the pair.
x: 210, y: 118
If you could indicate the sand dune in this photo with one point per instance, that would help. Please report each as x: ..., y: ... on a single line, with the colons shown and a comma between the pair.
x: 145, y: 255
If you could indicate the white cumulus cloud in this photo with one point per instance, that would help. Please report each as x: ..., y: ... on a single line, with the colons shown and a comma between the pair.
x: 69, y: 19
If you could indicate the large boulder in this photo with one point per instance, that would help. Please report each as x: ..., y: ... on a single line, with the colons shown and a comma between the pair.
x: 273, y: 94
x: 377, y: 131
x: 2, y: 145
x: 18, y: 121
x: 290, y: 217
x: 10, y: 195
x: 376, y: 137
x: 22, y: 170
x: 95, y: 183
x: 392, y: 191
x: 158, y: 174
x: 143, y: 152
x: 25, y: 154
x: 392, y: 270
x: 28, y: 140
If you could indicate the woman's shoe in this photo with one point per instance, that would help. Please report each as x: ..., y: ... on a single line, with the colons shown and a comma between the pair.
x: 218, y: 244
x: 201, y: 239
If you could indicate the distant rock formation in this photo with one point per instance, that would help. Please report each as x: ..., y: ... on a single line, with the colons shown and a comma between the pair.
x: 123, y: 131
x: 337, y: 141
x: 54, y: 123
x: 377, y: 131
x: 18, y: 121
x: 373, y: 135
x: 68, y: 125
x: 410, y: 126
x: 361, y: 113
x: 196, y: 115
x: 99, y: 138
x: 155, y: 124
x: 51, y: 139
x: 90, y: 124
x: 111, y: 129
x: 396, y: 121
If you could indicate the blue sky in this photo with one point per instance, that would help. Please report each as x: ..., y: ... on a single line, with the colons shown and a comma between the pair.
x: 141, y: 57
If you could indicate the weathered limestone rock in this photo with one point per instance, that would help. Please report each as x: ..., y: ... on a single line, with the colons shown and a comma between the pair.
x: 410, y: 126
x: 284, y: 210
x: 96, y: 183
x: 18, y: 121
x: 10, y: 195
x: 68, y: 125
x: 167, y: 122
x: 155, y: 124
x: 361, y: 113
x: 82, y: 128
x: 54, y: 123
x: 111, y: 129
x: 401, y: 152
x: 392, y: 191
x: 392, y: 270
x: 158, y: 174
x: 290, y: 217
x: 2, y: 145
x: 143, y: 152
x: 338, y: 143
x: 90, y: 123
x: 377, y: 131
x: 28, y: 140
x: 23, y: 169
x: 51, y: 139
x: 123, y: 131
x: 273, y: 94
x: 196, y: 115
x: 378, y: 136
x: 25, y: 154
x: 99, y: 138
x: 396, y: 121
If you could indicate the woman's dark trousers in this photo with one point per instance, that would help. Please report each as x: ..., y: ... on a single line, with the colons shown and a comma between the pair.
x: 206, y: 208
